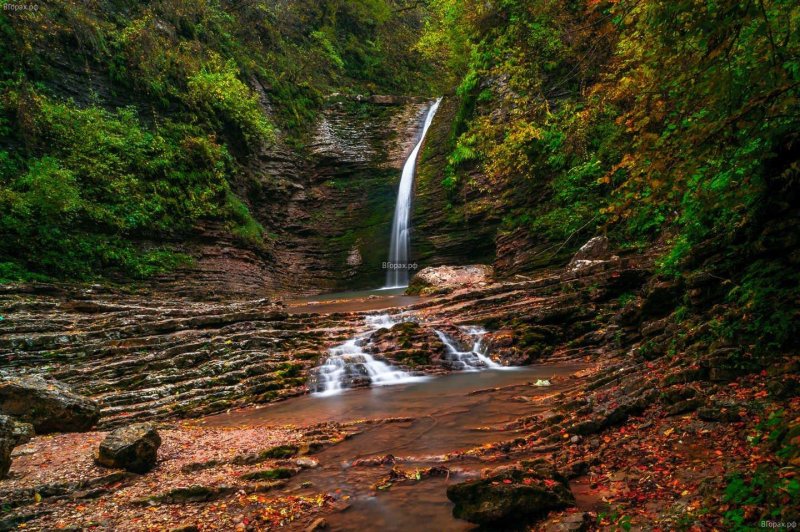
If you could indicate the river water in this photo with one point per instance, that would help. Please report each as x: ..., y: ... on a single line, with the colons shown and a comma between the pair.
x: 355, y: 301
x: 458, y: 411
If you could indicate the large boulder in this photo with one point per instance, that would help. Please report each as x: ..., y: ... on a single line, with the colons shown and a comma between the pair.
x: 444, y: 279
x: 134, y: 448
x: 514, y: 496
x: 48, y: 405
x: 8, y: 440
x: 12, y: 433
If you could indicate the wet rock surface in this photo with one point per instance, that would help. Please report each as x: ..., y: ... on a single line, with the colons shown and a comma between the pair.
x: 408, y: 344
x: 147, y: 358
x: 636, y: 425
x: 48, y: 405
x: 513, y: 497
x: 133, y: 448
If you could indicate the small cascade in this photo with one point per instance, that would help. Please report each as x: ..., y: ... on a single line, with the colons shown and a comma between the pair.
x: 471, y: 360
x: 349, y: 366
x: 479, y: 348
x: 397, y: 274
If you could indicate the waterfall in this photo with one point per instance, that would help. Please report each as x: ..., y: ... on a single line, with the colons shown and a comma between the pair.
x: 475, y: 358
x: 397, y: 274
x: 348, y: 365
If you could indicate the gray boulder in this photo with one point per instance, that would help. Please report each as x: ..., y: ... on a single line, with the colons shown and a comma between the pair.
x: 593, y: 257
x: 444, y: 279
x: 12, y: 433
x: 23, y: 432
x: 134, y: 448
x: 595, y: 249
x: 49, y: 406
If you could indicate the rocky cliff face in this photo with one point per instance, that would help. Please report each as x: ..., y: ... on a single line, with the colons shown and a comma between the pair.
x: 464, y: 225
x: 326, y: 207
x: 448, y: 229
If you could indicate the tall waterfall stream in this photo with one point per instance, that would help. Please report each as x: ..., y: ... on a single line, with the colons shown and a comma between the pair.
x: 348, y: 365
x: 397, y: 274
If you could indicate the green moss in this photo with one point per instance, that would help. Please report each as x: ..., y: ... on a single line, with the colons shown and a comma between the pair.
x: 289, y: 370
x: 244, y: 226
x: 280, y: 451
x: 217, y: 90
x: 277, y: 473
x: 82, y: 182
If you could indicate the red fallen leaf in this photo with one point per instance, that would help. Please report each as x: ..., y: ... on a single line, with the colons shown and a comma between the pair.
x: 527, y: 481
x: 507, y: 481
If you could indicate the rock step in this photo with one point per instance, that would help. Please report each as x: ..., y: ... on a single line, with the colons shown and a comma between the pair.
x: 156, y: 362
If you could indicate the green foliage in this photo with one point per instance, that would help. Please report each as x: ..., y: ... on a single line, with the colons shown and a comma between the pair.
x: 333, y: 55
x: 102, y: 180
x: 766, y: 298
x: 643, y: 119
x: 217, y: 89
x: 129, y: 124
x: 11, y: 272
x: 761, y: 489
x: 244, y: 226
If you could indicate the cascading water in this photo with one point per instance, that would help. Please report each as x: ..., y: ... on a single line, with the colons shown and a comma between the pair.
x: 475, y: 358
x: 397, y: 274
x: 348, y: 365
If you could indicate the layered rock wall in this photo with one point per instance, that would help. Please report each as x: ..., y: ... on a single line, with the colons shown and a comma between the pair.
x: 326, y: 208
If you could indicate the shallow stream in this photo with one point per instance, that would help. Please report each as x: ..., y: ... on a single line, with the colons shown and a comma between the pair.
x: 455, y: 412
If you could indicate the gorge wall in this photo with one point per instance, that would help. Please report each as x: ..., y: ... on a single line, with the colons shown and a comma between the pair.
x: 207, y: 149
x: 468, y: 223
x: 327, y: 208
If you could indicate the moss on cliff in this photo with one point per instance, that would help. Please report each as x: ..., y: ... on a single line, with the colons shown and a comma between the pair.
x: 122, y: 121
x: 449, y: 228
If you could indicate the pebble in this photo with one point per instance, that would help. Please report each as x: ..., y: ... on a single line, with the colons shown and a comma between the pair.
x: 306, y: 462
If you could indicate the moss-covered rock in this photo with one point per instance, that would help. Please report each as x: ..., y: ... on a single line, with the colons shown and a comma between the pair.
x: 277, y: 473
x: 515, y: 496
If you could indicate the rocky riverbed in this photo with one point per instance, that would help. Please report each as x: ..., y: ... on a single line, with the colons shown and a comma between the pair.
x: 632, y: 434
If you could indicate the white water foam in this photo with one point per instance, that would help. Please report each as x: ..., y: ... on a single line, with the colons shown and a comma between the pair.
x: 473, y: 360
x: 348, y: 363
